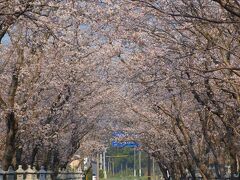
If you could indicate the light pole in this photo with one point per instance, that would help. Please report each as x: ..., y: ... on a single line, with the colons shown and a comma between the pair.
x: 101, y: 161
x: 104, y: 164
x: 140, y: 163
x: 149, y: 167
x: 97, y: 174
x: 153, y: 170
x: 134, y: 162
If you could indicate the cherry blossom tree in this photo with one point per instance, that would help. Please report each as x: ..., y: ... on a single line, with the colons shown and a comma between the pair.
x: 52, y: 77
x: 184, y: 67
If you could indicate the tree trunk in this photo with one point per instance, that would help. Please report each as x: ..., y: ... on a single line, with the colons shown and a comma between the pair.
x: 10, y: 148
x: 19, y: 156
x: 163, y: 170
x: 34, y: 153
x: 11, y: 121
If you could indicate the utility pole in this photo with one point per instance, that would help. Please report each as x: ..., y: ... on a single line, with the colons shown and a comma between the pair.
x: 97, y: 174
x: 101, y: 161
x: 153, y: 170
x: 109, y: 165
x: 140, y: 163
x: 113, y: 167
x: 104, y: 164
x: 149, y: 167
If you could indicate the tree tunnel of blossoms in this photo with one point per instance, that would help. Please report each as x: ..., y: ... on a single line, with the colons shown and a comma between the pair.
x: 72, y: 72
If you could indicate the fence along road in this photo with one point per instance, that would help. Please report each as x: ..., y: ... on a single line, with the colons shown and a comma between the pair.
x: 33, y: 174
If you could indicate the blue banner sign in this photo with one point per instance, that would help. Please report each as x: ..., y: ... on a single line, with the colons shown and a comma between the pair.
x: 118, y: 134
x: 130, y: 144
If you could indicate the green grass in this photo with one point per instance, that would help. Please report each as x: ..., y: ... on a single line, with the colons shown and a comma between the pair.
x: 128, y: 178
